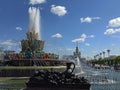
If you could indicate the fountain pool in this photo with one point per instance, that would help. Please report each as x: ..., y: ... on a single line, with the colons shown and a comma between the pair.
x: 100, y: 79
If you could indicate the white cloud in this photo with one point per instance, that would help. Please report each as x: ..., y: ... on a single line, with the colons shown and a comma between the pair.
x: 87, y: 44
x: 82, y: 38
x: 58, y: 10
x: 18, y: 28
x: 111, y: 31
x: 91, y: 36
x: 58, y: 35
x: 33, y: 2
x: 70, y: 49
x: 9, y: 43
x: 78, y: 40
x: 88, y: 19
x: 96, y: 18
x: 114, y: 22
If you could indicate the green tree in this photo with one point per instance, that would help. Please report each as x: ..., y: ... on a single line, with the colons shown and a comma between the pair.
x: 1, y: 53
x: 108, y: 51
x: 103, y: 54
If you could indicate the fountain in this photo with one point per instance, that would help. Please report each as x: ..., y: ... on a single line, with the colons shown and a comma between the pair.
x: 32, y: 53
x: 101, y: 79
x: 52, y: 80
x: 66, y: 80
x: 78, y: 69
x: 77, y: 60
x: 75, y: 77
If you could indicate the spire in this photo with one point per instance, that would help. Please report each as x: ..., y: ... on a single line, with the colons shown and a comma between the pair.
x: 76, y: 44
x: 77, y: 50
x: 77, y: 53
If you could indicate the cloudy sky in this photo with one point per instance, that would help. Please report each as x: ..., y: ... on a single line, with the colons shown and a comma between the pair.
x: 94, y: 24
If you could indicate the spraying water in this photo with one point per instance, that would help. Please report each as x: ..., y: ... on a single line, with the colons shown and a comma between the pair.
x: 34, y: 21
x: 78, y: 69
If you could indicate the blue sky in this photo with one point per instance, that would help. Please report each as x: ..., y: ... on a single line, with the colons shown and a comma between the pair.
x: 95, y: 24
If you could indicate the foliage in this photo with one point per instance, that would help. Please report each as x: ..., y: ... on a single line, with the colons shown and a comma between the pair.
x: 104, y: 61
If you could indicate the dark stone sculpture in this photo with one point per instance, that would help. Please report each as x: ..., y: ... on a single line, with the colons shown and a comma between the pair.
x: 53, y: 80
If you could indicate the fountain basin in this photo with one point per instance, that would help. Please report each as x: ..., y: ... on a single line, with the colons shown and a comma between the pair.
x: 64, y: 87
x: 54, y: 80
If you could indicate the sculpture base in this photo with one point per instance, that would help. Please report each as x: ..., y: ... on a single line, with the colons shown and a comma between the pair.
x: 35, y: 62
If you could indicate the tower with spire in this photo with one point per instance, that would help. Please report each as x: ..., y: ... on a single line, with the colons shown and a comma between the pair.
x: 77, y: 52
